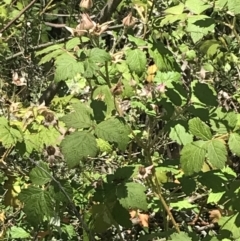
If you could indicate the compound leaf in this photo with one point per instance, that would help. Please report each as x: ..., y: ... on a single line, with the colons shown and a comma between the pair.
x: 77, y: 146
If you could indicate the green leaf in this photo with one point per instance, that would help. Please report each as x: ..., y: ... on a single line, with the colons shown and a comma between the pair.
x: 51, y: 56
x: 18, y: 232
x: 37, y: 204
x: 114, y: 130
x: 57, y: 192
x: 200, y: 129
x: 231, y: 224
x: 77, y: 146
x: 199, y: 26
x: 132, y: 195
x: 234, y: 143
x: 197, y: 6
x: 234, y: 6
x: 38, y: 176
x: 137, y: 41
x: 180, y: 135
x: 103, y: 145
x: 9, y: 135
x: 89, y: 68
x: 214, y: 197
x: 48, y: 135
x: 67, y: 67
x: 121, y: 215
x: 102, y: 218
x: 99, y: 55
x: 136, y: 60
x: 163, y: 57
x: 80, y: 118
x: 180, y: 237
x: 193, y: 157
x: 103, y: 93
x: 217, y: 153
x: 49, y: 49
x: 182, y: 204
x: 175, y: 10
x: 72, y: 43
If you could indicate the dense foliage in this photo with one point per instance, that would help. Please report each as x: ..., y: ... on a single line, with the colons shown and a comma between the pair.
x: 120, y: 120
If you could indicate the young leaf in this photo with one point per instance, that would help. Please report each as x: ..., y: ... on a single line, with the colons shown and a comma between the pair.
x: 136, y: 60
x: 49, y: 49
x: 38, y: 176
x: 77, y: 146
x: 114, y: 130
x: 200, y: 129
x: 132, y: 195
x: 233, y: 143
x: 193, y: 157
x: 18, y: 233
x: 37, y: 204
x: 217, y: 153
x: 80, y: 118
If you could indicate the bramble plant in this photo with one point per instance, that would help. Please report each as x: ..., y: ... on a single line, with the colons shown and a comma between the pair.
x: 121, y: 123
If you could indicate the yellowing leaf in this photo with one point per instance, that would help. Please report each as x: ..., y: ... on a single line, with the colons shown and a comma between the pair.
x: 152, y: 69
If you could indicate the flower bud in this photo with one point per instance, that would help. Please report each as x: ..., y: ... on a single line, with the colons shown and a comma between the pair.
x: 128, y: 21
x: 86, y: 22
x: 86, y: 4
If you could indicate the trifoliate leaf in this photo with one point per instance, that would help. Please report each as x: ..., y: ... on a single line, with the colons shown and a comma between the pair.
x: 77, y: 146
x: 18, y: 233
x: 38, y: 176
x: 9, y: 135
x: 193, y: 157
x: 136, y: 60
x: 132, y: 195
x: 180, y: 135
x: 217, y: 153
x: 200, y: 129
x: 233, y: 143
x: 114, y: 130
x: 80, y: 118
x: 37, y: 204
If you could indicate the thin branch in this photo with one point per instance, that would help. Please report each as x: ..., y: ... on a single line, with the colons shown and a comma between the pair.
x: 17, y: 17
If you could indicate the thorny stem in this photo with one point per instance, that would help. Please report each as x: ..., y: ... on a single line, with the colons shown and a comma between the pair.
x: 85, y: 227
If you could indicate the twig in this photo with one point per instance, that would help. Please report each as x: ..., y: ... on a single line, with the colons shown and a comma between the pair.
x: 68, y: 198
x: 17, y: 17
